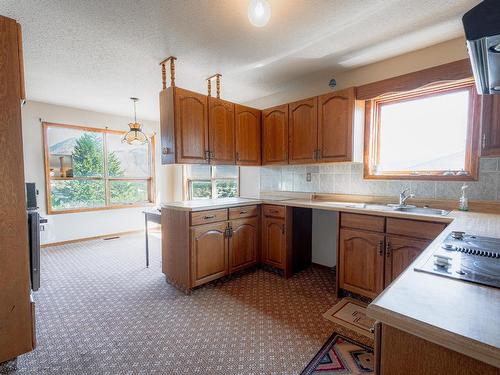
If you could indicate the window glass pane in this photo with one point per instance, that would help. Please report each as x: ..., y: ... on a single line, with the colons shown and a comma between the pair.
x: 226, y: 188
x: 226, y: 171
x: 125, y: 192
x: 70, y: 194
x: 198, y: 172
x: 201, y: 189
x: 73, y: 152
x: 424, y: 134
x: 126, y: 160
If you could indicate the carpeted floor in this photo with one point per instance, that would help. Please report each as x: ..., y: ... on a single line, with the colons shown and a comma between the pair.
x: 100, y: 311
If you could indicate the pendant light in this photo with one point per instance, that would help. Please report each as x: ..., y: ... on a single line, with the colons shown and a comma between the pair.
x: 259, y: 12
x: 135, y: 136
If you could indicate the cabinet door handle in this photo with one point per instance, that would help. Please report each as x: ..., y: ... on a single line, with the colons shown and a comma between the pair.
x: 207, y: 156
x: 318, y: 154
x: 243, y: 212
x: 209, y: 217
x: 388, y: 249
x: 237, y: 156
x: 381, y: 248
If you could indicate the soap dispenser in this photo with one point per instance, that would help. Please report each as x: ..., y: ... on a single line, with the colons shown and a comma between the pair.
x: 463, y: 203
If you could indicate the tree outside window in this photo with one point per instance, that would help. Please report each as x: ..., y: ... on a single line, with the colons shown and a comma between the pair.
x: 211, y: 182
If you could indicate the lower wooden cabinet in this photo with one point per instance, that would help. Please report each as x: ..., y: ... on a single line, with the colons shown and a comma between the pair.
x: 209, y: 253
x: 243, y: 243
x: 373, y: 250
x: 400, y: 252
x: 361, y: 262
x: 273, y: 241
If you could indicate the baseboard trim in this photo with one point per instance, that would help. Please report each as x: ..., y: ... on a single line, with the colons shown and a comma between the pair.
x: 83, y: 239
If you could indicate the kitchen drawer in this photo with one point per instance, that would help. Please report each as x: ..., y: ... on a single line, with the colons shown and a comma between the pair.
x: 205, y: 217
x: 414, y: 228
x: 241, y: 212
x: 366, y: 222
x: 274, y: 211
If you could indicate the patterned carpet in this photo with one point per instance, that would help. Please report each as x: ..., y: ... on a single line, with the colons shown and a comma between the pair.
x: 100, y: 311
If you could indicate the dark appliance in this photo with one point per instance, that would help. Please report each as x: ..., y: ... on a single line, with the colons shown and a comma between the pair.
x: 482, y: 31
x: 34, y: 228
x: 466, y: 257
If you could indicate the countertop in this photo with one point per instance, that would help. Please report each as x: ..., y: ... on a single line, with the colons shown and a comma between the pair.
x: 459, y: 315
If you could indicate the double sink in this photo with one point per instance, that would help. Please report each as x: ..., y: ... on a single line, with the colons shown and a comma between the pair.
x: 397, y: 208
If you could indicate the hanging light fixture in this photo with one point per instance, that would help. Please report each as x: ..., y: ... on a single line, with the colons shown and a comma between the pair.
x: 259, y: 12
x: 135, y: 136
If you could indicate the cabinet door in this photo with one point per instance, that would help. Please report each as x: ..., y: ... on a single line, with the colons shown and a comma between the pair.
x: 490, y: 141
x: 209, y: 253
x: 247, y: 129
x: 335, y: 122
x: 243, y: 244
x: 191, y: 127
x: 361, y: 262
x: 221, y: 131
x: 400, y: 252
x: 275, y: 135
x: 303, y: 127
x: 273, y: 241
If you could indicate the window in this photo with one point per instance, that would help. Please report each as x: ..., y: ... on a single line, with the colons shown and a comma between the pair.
x: 90, y: 169
x: 428, y: 133
x: 211, y: 182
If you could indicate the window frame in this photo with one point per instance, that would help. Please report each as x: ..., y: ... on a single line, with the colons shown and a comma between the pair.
x: 188, y: 181
x: 151, y: 181
x: 372, y: 129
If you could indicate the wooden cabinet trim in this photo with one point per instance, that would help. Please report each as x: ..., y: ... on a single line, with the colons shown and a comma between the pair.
x: 362, y: 221
x: 210, y: 216
x: 414, y: 228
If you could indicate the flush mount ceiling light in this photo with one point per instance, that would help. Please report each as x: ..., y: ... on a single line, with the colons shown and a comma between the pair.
x: 135, y: 135
x: 259, y: 12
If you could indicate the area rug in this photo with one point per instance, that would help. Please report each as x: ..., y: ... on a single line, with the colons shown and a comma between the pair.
x: 351, y: 314
x: 342, y: 355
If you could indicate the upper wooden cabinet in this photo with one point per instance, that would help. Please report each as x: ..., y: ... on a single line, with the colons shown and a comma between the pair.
x: 221, y: 131
x: 247, y: 135
x: 275, y: 135
x: 335, y: 124
x: 490, y: 124
x: 303, y: 131
x: 184, y: 126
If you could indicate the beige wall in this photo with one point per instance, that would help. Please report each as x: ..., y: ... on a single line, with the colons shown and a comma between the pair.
x: 317, y: 83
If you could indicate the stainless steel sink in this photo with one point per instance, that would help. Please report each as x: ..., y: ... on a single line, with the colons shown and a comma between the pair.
x: 422, y: 210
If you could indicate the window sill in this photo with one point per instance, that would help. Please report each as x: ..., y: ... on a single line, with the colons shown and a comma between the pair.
x: 114, y: 207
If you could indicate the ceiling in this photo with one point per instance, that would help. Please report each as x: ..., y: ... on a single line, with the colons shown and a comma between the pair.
x: 96, y: 54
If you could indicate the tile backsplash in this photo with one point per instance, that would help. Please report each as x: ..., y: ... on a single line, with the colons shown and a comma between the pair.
x: 347, y: 178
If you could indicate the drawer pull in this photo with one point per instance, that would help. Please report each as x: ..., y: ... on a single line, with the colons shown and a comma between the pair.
x: 243, y: 212
x: 209, y: 217
x: 274, y: 211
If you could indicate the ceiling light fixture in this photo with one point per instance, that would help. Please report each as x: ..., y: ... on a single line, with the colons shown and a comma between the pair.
x: 135, y: 136
x: 259, y: 12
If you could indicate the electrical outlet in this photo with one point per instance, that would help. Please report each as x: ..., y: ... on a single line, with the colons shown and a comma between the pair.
x: 308, y: 177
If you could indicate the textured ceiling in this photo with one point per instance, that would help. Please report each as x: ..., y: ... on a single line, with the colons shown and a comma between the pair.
x: 96, y: 54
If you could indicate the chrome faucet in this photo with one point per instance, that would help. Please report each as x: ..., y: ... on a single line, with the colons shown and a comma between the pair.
x: 403, y: 197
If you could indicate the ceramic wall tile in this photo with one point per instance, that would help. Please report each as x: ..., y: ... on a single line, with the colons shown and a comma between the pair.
x: 488, y: 164
x: 326, y: 183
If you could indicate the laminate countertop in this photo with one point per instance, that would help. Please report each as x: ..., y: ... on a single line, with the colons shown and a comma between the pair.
x: 459, y: 315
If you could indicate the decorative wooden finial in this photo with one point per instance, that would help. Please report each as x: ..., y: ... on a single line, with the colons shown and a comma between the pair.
x: 164, y: 72
x: 217, y: 83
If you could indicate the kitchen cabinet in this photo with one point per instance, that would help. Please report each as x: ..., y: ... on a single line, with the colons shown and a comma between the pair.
x: 17, y: 315
x: 243, y: 243
x: 275, y: 135
x: 400, y: 252
x: 247, y: 123
x: 335, y: 125
x: 273, y: 241
x: 490, y: 125
x: 184, y: 126
x: 361, y: 261
x: 221, y: 131
x: 209, y: 253
x: 374, y: 250
x: 303, y: 131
